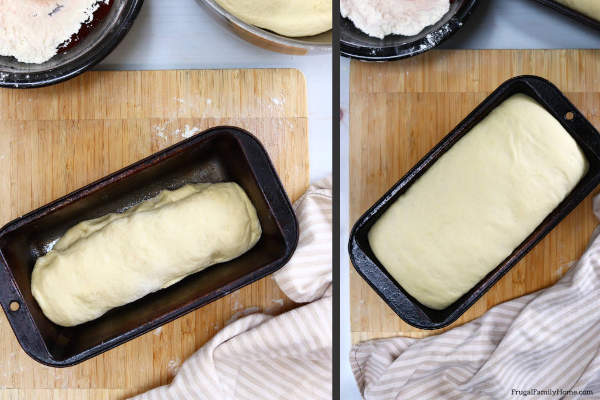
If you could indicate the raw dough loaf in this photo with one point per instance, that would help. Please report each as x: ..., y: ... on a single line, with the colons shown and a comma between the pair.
x: 591, y: 8
x: 478, y: 202
x: 292, y: 18
x: 118, y: 258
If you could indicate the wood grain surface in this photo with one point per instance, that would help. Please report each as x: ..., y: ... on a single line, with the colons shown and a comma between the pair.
x: 400, y: 110
x: 57, y: 139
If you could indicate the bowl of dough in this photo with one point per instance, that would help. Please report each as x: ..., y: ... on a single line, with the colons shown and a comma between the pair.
x: 296, y: 27
x: 43, y: 42
x: 385, y: 30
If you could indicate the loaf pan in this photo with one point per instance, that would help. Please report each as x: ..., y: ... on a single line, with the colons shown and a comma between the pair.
x: 408, y: 308
x: 569, y: 12
x: 217, y: 155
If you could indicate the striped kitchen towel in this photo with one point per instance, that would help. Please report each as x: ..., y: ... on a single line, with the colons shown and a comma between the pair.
x: 272, y: 358
x: 545, y: 345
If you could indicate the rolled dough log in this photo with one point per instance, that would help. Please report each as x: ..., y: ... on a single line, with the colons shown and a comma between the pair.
x: 292, y: 18
x: 118, y: 258
x: 478, y: 202
x: 591, y: 8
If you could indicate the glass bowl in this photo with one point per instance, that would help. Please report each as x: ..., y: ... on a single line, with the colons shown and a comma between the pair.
x: 266, y: 39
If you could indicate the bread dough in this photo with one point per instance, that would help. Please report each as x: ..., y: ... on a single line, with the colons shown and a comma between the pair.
x: 591, y: 8
x: 118, y: 258
x: 292, y: 18
x: 478, y: 202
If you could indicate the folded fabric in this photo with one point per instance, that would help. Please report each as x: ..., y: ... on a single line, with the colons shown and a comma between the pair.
x: 307, y: 277
x: 283, y: 357
x: 545, y: 345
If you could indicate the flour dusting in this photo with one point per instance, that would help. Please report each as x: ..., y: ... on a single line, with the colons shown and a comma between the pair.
x: 173, y: 366
x: 240, y: 314
x: 33, y: 30
x: 190, y: 131
x: 563, y: 269
x: 379, y: 18
x: 160, y: 130
x: 277, y: 101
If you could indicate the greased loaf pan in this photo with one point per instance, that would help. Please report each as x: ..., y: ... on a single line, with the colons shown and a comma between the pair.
x: 407, y: 307
x: 216, y: 155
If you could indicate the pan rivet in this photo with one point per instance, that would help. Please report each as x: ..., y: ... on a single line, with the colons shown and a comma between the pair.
x: 14, y: 306
x: 569, y: 116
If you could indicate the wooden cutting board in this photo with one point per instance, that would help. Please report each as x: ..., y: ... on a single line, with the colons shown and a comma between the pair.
x: 400, y: 110
x: 57, y: 139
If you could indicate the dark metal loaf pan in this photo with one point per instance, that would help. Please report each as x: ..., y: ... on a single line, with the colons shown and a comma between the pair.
x: 409, y: 309
x: 216, y: 155
x: 569, y: 12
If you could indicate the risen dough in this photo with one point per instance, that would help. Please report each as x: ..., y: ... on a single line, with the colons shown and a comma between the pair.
x: 287, y: 17
x: 591, y: 8
x: 478, y: 202
x: 118, y: 258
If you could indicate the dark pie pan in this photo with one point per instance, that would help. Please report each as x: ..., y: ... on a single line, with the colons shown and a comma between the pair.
x: 89, y: 46
x: 407, y: 307
x: 222, y: 154
x: 355, y: 43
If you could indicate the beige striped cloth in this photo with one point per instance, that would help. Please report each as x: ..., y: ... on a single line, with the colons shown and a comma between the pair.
x: 545, y: 345
x: 272, y: 358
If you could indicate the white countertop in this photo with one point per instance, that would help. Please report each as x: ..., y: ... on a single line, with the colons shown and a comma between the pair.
x: 180, y: 34
x: 495, y: 24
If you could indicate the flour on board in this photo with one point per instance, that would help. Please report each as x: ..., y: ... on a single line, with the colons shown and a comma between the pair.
x: 173, y: 366
x: 33, y: 30
x: 243, y: 313
x: 379, y: 18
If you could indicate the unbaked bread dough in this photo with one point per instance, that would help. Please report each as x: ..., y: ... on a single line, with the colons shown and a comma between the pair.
x: 478, y: 202
x: 118, y: 258
x: 292, y: 18
x: 591, y: 8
